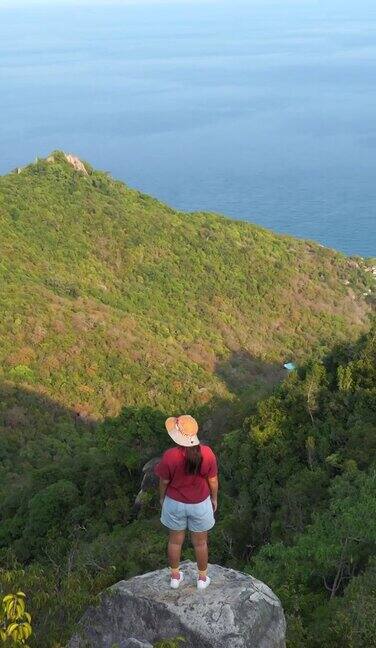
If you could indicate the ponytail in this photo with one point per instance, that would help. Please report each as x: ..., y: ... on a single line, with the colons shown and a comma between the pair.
x: 193, y: 460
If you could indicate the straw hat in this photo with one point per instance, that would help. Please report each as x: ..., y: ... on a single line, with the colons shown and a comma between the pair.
x: 183, y: 430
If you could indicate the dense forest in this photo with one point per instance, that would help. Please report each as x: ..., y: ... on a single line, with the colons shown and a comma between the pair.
x: 302, y: 471
x: 118, y: 311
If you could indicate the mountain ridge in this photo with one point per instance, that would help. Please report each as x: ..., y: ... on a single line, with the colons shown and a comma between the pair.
x: 122, y: 283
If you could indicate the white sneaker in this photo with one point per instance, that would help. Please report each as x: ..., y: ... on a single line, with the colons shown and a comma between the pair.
x: 175, y: 582
x: 203, y: 584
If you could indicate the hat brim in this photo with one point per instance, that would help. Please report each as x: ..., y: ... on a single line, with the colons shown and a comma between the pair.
x: 177, y: 435
x: 182, y: 439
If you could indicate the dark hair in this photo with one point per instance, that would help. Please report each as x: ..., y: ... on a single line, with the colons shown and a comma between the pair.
x: 193, y: 460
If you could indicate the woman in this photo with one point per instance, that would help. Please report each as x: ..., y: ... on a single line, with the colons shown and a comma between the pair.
x: 188, y: 486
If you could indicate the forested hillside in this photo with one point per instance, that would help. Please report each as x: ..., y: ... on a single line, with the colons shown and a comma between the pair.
x: 117, y: 311
x: 297, y: 506
x: 111, y: 298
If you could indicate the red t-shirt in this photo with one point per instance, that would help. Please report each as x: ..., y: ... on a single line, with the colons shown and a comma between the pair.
x: 190, y: 489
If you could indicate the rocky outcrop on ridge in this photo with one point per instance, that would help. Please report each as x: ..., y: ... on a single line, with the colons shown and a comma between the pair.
x: 76, y: 163
x: 236, y: 611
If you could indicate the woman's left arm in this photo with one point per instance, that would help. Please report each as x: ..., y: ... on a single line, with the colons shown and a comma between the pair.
x: 163, y: 483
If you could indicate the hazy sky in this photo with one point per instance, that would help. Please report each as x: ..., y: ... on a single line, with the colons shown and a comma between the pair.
x: 28, y: 3
x: 12, y: 3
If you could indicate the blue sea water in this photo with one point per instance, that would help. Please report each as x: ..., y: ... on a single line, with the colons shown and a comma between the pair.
x: 263, y: 110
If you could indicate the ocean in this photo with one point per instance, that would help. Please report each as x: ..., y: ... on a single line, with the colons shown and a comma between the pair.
x: 262, y: 110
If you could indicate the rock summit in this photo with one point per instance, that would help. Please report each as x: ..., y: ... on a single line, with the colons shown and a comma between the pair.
x: 236, y: 611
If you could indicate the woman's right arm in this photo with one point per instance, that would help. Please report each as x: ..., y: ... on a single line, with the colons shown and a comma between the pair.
x: 163, y: 472
x: 213, y: 487
x: 163, y: 483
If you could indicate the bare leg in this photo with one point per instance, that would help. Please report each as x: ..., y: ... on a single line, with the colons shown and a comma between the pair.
x: 175, y: 543
x: 200, y: 543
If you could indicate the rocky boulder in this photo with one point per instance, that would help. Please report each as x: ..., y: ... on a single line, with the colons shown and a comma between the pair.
x: 236, y: 611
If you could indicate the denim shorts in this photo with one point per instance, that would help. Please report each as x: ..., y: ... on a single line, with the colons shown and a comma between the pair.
x: 178, y: 516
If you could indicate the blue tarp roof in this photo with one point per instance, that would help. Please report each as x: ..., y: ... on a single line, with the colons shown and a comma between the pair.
x: 290, y: 366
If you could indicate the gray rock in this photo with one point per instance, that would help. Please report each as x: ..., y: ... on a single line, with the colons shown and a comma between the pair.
x: 236, y: 611
x: 125, y: 643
